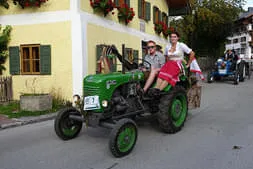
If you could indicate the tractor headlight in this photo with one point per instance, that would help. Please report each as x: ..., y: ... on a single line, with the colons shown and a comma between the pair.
x: 76, y: 100
x: 104, y: 103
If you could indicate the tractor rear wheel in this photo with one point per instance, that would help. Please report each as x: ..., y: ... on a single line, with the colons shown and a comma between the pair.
x: 173, y: 110
x: 123, y: 137
x: 242, y: 71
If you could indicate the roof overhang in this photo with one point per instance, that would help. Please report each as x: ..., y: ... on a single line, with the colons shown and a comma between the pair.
x: 179, y: 7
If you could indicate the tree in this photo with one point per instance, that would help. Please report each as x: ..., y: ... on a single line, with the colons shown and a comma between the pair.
x: 210, y: 24
x: 4, y: 3
x: 4, y: 40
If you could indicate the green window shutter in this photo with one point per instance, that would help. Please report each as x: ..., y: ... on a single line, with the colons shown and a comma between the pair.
x: 164, y: 17
x: 14, y: 60
x: 167, y: 20
x: 127, y: 2
x: 136, y: 55
x: 160, y: 15
x: 154, y: 9
x: 45, y: 59
x: 148, y: 11
x: 116, y: 2
x: 140, y: 9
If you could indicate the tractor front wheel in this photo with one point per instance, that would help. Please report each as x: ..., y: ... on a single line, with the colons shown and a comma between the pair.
x: 173, y: 110
x: 123, y: 137
x: 65, y: 127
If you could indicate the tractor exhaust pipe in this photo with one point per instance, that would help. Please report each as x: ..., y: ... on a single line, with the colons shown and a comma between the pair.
x: 123, y: 60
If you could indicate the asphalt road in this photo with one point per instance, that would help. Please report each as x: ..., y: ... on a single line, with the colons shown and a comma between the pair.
x: 219, y: 135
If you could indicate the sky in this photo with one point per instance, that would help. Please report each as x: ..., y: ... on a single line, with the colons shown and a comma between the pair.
x: 249, y: 3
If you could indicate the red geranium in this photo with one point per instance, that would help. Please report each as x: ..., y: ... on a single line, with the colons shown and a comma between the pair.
x: 104, y: 6
x: 125, y: 13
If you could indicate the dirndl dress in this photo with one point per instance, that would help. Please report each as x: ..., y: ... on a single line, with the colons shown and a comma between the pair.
x: 170, y: 71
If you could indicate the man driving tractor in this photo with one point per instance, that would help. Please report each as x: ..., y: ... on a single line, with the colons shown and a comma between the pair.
x: 156, y: 60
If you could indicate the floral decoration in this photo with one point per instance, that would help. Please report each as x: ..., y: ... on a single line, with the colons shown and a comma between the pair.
x: 167, y: 30
x: 29, y: 3
x: 104, y: 6
x: 125, y: 13
x: 159, y: 27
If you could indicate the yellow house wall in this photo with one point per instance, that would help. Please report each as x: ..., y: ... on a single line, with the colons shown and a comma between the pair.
x: 58, y: 35
x: 135, y: 23
x: 50, y: 5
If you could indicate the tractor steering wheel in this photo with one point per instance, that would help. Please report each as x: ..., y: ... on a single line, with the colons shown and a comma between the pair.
x: 142, y: 66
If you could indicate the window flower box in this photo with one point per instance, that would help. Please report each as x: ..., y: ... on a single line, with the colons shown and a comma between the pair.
x: 103, y: 6
x: 29, y: 3
x: 125, y: 13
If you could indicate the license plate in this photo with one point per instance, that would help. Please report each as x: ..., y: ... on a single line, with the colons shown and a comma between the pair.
x: 222, y: 71
x: 91, y: 102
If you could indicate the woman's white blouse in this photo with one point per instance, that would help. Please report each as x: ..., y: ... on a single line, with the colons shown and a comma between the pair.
x: 178, y: 54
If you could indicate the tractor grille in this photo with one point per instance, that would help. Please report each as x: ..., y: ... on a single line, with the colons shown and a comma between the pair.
x: 90, y: 91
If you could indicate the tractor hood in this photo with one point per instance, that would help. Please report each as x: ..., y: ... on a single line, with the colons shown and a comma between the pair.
x: 105, y: 84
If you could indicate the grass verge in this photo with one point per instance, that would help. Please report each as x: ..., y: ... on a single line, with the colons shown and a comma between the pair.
x: 12, y: 110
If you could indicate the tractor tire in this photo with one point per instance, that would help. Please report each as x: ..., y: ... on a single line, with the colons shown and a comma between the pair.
x: 65, y: 127
x: 242, y: 71
x: 210, y: 77
x: 123, y: 137
x: 236, y: 77
x: 173, y: 110
x: 247, y: 70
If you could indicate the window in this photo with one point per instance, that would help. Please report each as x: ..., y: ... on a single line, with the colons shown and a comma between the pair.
x: 165, y: 18
x: 131, y: 55
x: 235, y: 41
x: 156, y: 15
x: 121, y: 2
x: 242, y: 50
x: 106, y: 61
x: 30, y: 59
x: 144, y: 10
x: 144, y: 48
x: 159, y: 16
x: 243, y: 39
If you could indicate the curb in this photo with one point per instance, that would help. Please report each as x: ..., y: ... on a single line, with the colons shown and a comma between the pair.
x: 28, y: 120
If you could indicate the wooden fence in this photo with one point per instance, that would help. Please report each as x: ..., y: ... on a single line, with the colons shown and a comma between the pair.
x: 6, y: 92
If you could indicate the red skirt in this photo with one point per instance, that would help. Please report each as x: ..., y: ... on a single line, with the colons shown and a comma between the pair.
x: 170, y: 72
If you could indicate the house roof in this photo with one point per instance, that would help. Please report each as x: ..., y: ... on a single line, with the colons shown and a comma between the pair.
x: 246, y: 14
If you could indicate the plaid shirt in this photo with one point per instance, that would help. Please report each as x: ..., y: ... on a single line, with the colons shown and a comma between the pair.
x: 157, y: 60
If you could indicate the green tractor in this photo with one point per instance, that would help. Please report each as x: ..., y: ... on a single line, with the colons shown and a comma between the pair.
x: 114, y: 101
